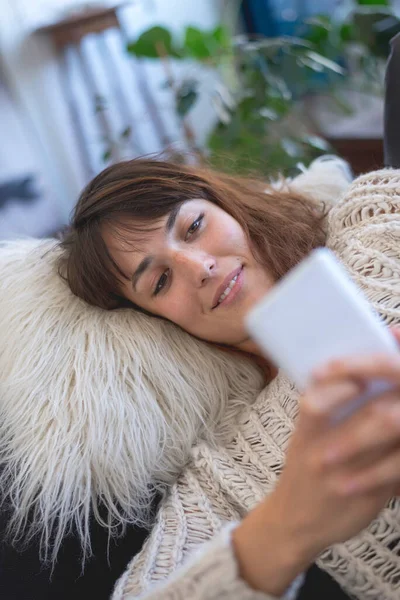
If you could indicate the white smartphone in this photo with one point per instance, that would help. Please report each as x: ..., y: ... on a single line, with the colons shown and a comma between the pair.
x: 315, y: 314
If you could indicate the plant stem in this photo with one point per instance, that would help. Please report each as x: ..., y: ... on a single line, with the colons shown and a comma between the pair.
x: 187, y: 129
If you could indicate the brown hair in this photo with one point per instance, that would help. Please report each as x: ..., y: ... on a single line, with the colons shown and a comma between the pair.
x: 283, y: 226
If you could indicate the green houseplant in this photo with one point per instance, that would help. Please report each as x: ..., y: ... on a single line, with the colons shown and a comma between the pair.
x: 357, y: 35
x: 259, y: 97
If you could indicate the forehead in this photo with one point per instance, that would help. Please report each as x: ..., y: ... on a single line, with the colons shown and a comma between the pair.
x: 128, y: 245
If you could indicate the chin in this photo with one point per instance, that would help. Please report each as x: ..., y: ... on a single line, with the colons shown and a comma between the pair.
x: 235, y: 341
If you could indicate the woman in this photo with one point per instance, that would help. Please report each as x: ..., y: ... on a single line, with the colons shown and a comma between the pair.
x: 199, y: 248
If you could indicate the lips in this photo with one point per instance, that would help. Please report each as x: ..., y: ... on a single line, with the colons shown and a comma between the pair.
x: 225, y: 284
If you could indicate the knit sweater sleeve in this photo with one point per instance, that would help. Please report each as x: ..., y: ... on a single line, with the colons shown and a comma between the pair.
x: 211, y: 573
x: 364, y: 231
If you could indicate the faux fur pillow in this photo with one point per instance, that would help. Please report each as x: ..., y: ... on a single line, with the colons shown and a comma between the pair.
x: 101, y: 406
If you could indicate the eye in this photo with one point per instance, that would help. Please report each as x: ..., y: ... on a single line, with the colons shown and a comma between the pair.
x: 194, y: 227
x: 161, y: 283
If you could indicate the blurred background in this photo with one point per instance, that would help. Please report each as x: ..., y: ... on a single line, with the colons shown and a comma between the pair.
x: 244, y: 85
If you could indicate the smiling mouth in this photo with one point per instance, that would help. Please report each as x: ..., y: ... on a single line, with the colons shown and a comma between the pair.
x: 228, y: 289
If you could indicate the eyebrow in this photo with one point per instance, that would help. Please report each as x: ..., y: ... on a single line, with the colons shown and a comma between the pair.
x: 146, y: 262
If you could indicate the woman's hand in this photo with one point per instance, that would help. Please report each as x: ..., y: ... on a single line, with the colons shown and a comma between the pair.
x: 336, y: 478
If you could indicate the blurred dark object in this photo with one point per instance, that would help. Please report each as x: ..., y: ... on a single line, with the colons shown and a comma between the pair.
x: 363, y: 154
x: 319, y: 584
x: 22, y: 189
x: 281, y: 17
x: 259, y: 18
x: 392, y: 106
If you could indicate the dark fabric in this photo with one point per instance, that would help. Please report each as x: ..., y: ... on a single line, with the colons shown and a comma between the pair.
x: 23, y: 578
x: 392, y: 106
x: 320, y: 586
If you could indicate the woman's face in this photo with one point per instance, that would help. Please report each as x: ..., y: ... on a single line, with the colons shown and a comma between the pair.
x: 195, y: 269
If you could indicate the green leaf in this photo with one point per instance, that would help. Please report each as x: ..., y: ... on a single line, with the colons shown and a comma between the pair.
x: 195, y: 44
x: 316, y: 142
x: 271, y: 44
x: 374, y: 10
x: 268, y: 113
x: 319, y: 29
x: 126, y: 133
x: 185, y: 103
x: 291, y: 147
x: 203, y: 45
x: 320, y: 21
x: 222, y: 110
x: 186, y: 97
x: 222, y: 37
x: 107, y: 155
x: 373, y: 2
x: 152, y: 43
x: 346, y: 32
x: 325, y: 62
x: 311, y: 64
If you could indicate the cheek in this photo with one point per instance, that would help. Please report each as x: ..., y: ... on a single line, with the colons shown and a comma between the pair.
x: 179, y: 306
x: 230, y: 238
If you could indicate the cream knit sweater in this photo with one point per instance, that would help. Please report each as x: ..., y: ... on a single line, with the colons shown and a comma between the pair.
x: 188, y: 554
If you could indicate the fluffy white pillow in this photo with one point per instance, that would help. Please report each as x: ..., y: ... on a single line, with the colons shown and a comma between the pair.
x: 326, y: 179
x: 96, y: 404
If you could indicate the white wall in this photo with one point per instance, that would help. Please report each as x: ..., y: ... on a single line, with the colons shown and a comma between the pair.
x: 32, y: 68
x: 19, y: 159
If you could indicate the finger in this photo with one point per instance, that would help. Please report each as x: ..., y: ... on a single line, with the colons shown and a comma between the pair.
x: 320, y: 400
x: 395, y: 330
x: 382, y: 474
x: 374, y: 366
x: 369, y: 434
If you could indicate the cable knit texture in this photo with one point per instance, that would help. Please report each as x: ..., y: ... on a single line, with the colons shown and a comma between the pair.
x: 188, y: 554
x: 212, y: 574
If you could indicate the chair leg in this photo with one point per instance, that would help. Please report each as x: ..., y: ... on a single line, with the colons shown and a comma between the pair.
x: 391, y: 137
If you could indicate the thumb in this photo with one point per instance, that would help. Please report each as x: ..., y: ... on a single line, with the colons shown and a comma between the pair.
x: 395, y: 330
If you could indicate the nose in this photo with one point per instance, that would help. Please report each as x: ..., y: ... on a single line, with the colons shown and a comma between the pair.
x: 198, y: 267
